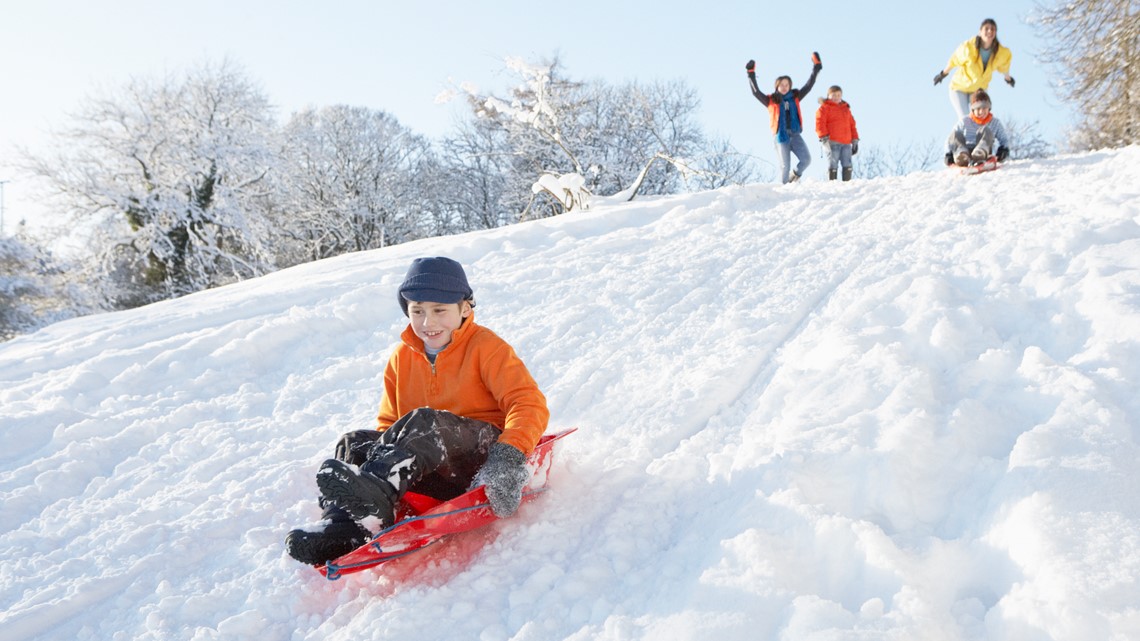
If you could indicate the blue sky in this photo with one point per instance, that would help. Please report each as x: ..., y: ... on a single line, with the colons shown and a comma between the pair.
x: 399, y: 56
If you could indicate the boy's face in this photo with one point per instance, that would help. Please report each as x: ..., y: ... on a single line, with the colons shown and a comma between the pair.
x: 434, y: 322
x: 980, y: 110
x: 835, y: 96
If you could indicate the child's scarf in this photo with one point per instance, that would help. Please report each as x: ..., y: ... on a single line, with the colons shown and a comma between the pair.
x: 789, y: 118
x: 982, y: 121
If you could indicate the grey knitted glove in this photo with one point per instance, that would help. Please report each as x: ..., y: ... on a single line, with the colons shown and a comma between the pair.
x: 504, y: 475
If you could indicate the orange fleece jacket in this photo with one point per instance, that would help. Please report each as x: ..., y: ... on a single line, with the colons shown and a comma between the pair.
x: 478, y: 375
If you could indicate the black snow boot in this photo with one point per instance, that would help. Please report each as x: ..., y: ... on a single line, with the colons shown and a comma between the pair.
x: 847, y: 173
x: 360, y: 492
x: 832, y: 174
x: 331, y: 538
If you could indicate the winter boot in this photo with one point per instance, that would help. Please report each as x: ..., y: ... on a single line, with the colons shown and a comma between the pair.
x: 979, y: 155
x: 335, y: 535
x: 962, y: 159
x: 847, y: 173
x: 794, y: 177
x: 360, y: 491
x: 832, y: 174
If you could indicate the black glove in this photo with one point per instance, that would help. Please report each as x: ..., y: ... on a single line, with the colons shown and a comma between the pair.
x: 1002, y: 154
x: 940, y: 77
x: 750, y: 67
x: 1009, y: 81
x: 854, y: 146
x: 504, y: 475
x: 949, y: 158
x: 816, y: 64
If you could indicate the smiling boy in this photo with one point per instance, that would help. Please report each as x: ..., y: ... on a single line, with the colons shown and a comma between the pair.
x: 460, y: 409
x: 974, y: 137
x: 836, y: 129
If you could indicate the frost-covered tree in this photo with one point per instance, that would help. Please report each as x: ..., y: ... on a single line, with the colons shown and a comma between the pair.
x: 641, y: 135
x: 560, y: 142
x: 34, y: 288
x: 351, y: 179
x: 537, y: 123
x: 1095, y: 47
x: 478, y: 192
x: 168, y: 177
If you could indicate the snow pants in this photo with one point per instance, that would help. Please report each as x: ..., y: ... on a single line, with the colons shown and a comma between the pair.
x: 784, y: 150
x: 434, y: 452
x: 984, y: 142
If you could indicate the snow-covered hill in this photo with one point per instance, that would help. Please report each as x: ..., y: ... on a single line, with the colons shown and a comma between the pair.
x: 901, y: 408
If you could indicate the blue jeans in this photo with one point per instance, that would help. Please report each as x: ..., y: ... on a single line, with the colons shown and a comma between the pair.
x: 797, y: 146
x: 961, y: 102
x: 838, y: 154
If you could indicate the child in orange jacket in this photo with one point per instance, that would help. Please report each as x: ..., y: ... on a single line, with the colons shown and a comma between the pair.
x: 836, y: 129
x: 459, y: 410
x: 785, y: 118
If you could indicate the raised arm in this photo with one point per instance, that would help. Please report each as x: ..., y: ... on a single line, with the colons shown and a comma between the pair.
x: 815, y: 69
x: 760, y: 95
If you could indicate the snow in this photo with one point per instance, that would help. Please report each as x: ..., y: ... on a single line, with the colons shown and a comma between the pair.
x: 901, y: 408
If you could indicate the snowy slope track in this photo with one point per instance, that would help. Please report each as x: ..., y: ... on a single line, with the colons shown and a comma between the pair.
x: 899, y: 408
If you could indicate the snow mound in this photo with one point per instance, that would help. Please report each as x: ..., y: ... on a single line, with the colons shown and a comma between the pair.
x: 890, y: 409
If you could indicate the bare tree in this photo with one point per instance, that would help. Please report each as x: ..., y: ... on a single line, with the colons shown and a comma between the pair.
x: 723, y: 165
x: 479, y: 168
x: 897, y: 159
x: 1095, y: 47
x: 1025, y: 139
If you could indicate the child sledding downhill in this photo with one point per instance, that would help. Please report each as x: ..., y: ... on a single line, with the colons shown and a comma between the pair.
x: 459, y: 410
x: 973, y: 139
x: 836, y: 129
x: 786, y: 119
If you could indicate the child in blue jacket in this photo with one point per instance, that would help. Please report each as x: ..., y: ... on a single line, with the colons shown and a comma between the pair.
x: 974, y: 137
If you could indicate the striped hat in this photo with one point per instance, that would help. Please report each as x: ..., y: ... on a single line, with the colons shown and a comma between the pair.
x: 980, y: 98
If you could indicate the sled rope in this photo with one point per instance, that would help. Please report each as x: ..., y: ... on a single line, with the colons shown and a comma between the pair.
x: 333, y: 570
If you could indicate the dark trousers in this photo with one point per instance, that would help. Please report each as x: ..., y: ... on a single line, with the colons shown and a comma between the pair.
x: 433, y: 452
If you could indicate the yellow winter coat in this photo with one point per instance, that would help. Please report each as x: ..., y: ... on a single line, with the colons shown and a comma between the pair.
x: 968, y: 62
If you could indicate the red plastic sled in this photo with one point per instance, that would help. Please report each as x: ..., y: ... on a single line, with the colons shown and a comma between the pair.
x: 426, y: 520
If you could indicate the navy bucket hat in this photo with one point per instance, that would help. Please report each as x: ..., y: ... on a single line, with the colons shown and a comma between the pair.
x: 434, y: 280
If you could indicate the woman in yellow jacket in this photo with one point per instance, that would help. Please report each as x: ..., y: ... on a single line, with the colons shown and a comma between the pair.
x: 459, y: 410
x: 976, y: 60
